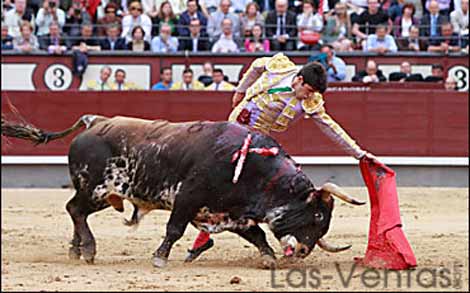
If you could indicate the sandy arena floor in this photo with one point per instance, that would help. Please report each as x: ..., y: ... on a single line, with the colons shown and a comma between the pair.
x: 36, y: 230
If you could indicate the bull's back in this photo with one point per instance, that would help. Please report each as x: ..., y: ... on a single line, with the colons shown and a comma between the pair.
x: 161, y: 154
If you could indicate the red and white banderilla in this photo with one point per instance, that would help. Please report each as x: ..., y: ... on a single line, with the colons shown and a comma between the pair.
x: 241, y: 155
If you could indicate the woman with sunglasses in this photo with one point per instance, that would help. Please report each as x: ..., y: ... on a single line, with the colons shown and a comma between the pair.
x: 136, y: 17
x: 110, y: 18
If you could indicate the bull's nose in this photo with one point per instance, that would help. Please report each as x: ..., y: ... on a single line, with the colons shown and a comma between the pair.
x: 301, y: 250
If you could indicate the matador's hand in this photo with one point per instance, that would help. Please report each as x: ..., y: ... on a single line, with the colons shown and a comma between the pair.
x: 237, y: 98
x: 371, y: 157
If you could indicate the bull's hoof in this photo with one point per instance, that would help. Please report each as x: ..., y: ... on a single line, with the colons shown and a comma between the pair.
x: 268, y: 262
x: 88, y: 254
x: 89, y: 260
x: 74, y: 253
x: 159, y: 262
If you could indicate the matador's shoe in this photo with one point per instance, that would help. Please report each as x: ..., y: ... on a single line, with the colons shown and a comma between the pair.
x: 195, y: 253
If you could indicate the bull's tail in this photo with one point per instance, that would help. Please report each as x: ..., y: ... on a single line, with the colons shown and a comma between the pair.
x: 27, y: 131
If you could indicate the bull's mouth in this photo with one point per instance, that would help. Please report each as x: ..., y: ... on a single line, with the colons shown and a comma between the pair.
x: 292, y: 248
x: 299, y: 251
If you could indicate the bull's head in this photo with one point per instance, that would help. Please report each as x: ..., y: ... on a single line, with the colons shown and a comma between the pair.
x: 301, y: 225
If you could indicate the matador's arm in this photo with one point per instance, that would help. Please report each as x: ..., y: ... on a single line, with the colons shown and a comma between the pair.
x: 336, y: 133
x: 252, y: 74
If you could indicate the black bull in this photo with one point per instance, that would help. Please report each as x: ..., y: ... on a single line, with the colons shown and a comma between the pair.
x: 187, y: 168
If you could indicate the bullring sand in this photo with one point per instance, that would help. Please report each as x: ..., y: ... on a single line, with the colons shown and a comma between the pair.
x: 36, y: 230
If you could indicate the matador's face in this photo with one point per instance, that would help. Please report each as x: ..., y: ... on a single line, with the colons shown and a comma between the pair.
x: 302, y: 89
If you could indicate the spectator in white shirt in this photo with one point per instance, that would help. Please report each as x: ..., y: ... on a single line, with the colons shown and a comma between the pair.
x: 459, y: 19
x: 27, y: 42
x: 226, y: 44
x: 197, y: 40
x: 136, y: 18
x: 164, y: 43
x: 50, y: 12
x: 380, y: 42
x: 16, y: 16
x: 308, y: 20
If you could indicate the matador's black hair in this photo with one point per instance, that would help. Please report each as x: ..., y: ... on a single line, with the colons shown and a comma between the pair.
x: 314, y: 74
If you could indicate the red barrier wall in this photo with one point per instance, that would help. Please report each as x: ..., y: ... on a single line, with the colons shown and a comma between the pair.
x: 387, y: 122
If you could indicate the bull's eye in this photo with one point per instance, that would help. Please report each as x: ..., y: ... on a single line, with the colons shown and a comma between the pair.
x: 318, y: 216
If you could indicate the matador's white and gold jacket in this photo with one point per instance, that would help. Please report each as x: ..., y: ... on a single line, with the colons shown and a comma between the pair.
x: 270, y: 103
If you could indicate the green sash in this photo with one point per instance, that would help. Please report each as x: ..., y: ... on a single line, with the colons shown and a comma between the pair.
x: 280, y: 90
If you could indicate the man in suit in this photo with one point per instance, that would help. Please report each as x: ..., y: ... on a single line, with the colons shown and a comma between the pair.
x: 113, y: 41
x: 185, y: 19
x: 265, y: 5
x: 281, y: 27
x: 197, y: 41
x: 437, y: 74
x: 87, y: 42
x: 268, y: 5
x: 405, y: 74
x: 446, y: 42
x: 413, y: 42
x: 431, y: 23
x: 370, y: 74
x: 53, y: 41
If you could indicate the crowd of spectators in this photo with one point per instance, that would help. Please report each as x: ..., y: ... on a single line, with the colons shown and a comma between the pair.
x: 225, y: 26
x: 214, y: 79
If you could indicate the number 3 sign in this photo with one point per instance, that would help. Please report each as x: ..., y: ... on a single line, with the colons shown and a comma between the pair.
x: 58, y: 77
x: 460, y: 74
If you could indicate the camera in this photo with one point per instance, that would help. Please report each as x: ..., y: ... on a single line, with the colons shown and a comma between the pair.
x: 52, y: 4
x: 77, y: 11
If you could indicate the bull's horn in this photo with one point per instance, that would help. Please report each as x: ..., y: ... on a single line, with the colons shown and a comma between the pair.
x: 323, y: 244
x: 341, y: 194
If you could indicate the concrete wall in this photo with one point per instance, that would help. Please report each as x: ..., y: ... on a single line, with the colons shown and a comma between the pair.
x: 56, y: 176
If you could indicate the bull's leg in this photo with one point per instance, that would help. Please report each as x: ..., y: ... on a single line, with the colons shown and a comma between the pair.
x: 83, y: 241
x: 257, y: 237
x: 180, y: 217
x: 74, y: 250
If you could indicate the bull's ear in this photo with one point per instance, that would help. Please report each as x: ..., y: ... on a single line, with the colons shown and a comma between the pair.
x: 311, y: 197
x: 324, y: 195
